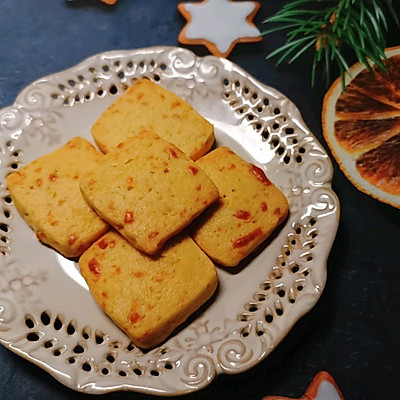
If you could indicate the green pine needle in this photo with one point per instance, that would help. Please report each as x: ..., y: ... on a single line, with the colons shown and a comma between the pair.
x: 329, y: 26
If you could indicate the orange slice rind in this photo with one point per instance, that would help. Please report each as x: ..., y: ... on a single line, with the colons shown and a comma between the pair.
x: 361, y: 126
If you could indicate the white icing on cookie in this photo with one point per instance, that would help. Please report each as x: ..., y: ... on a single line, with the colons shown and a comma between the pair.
x: 221, y: 22
x: 326, y: 391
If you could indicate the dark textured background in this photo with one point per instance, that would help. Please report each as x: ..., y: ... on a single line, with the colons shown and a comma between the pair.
x: 353, y: 331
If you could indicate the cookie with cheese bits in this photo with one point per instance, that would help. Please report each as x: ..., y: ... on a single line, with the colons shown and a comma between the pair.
x: 148, y: 297
x: 46, y: 193
x: 249, y: 209
x: 148, y: 106
x: 149, y: 190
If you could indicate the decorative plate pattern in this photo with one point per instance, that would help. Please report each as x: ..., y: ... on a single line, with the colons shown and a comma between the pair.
x: 47, y: 314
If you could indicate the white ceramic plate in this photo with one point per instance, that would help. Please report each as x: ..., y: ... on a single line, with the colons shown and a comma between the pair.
x: 47, y: 314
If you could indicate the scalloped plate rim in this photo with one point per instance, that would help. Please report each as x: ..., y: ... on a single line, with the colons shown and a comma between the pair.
x: 160, y: 49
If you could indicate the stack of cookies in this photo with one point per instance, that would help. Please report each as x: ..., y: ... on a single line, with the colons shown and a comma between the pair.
x: 151, y: 212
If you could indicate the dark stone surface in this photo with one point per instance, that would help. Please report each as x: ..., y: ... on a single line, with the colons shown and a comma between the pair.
x: 353, y: 331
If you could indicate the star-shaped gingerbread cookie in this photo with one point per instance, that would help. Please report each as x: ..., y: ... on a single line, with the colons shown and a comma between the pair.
x: 219, y: 24
x: 323, y: 387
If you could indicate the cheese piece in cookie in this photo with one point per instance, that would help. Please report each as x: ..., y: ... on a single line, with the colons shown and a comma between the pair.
x: 148, y: 106
x: 248, y: 211
x: 148, y: 297
x: 148, y: 190
x: 46, y: 193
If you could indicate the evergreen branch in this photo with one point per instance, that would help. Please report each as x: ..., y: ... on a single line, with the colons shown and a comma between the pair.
x: 301, y: 51
x: 288, y: 48
x: 332, y: 25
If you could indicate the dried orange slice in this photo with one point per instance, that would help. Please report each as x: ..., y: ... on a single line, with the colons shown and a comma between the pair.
x: 361, y: 126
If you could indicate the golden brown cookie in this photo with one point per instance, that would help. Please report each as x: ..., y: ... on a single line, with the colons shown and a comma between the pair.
x: 148, y: 297
x: 148, y: 106
x: 149, y: 190
x: 249, y: 209
x: 46, y: 193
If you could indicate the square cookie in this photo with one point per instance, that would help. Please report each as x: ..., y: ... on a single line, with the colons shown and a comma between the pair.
x: 149, y: 190
x: 148, y: 106
x: 249, y: 209
x: 148, y: 297
x: 46, y: 193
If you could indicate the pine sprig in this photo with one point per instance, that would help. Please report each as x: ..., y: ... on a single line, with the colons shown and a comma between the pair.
x: 330, y: 27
